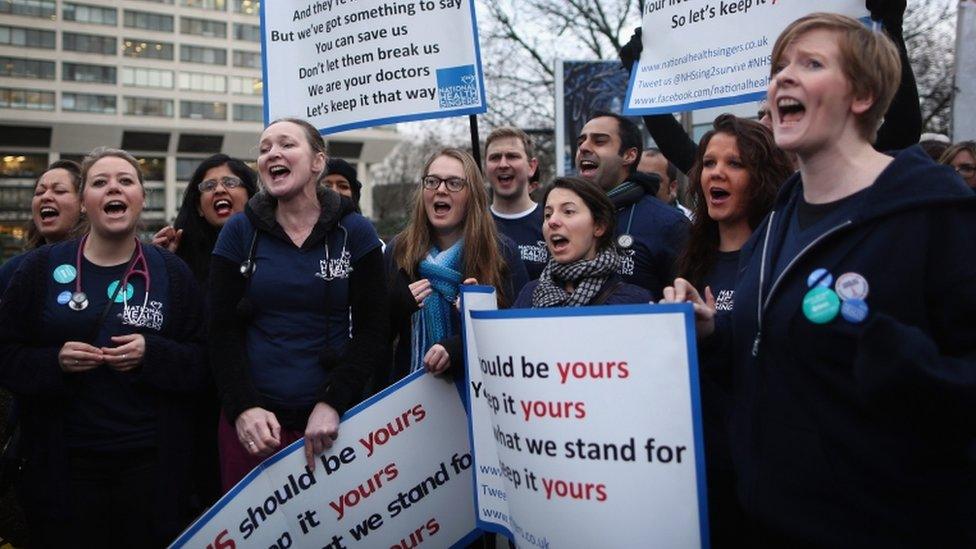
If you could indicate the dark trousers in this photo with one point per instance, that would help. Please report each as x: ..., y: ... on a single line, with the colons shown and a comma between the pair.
x: 111, y: 503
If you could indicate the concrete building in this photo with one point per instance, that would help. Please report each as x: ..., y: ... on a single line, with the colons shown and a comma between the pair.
x: 171, y: 81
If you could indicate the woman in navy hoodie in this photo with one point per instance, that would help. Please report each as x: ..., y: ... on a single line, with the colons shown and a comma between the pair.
x: 578, y: 225
x: 852, y: 333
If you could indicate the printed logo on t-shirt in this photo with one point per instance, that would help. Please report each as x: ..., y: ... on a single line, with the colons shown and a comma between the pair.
x: 724, y: 300
x: 150, y: 316
x: 331, y: 269
x: 626, y: 263
x: 534, y: 254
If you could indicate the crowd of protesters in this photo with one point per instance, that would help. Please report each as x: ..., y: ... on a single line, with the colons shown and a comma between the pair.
x: 825, y: 253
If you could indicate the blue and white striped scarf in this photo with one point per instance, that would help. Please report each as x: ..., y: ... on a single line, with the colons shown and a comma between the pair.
x: 432, y: 322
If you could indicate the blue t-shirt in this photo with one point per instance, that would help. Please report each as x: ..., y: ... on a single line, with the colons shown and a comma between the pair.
x: 526, y: 231
x: 300, y: 300
x: 721, y: 279
x: 106, y: 409
x: 658, y: 232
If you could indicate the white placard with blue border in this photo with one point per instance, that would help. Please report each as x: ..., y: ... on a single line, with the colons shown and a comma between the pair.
x: 707, y: 53
x: 347, y: 64
x: 489, y: 489
x: 398, y: 475
x: 596, y: 424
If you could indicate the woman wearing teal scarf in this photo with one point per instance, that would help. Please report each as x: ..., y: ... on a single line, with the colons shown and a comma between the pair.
x: 450, y: 240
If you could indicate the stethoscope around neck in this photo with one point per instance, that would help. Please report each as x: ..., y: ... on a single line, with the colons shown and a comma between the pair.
x: 249, y: 265
x: 137, y: 266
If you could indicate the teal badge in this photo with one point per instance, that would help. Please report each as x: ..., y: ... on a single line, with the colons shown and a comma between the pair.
x: 65, y: 273
x: 821, y: 305
x: 129, y: 290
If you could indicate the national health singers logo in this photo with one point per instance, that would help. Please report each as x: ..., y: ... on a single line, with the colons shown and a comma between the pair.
x: 457, y: 87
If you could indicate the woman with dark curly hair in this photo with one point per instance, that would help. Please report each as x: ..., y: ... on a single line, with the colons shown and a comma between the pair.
x: 737, y: 171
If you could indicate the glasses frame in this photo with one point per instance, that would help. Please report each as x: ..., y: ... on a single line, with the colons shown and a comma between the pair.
x: 228, y: 181
x: 459, y: 183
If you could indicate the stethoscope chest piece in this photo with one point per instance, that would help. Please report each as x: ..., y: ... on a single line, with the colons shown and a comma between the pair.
x: 79, y: 301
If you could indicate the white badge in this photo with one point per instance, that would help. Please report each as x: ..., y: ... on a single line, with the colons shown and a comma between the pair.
x: 851, y: 286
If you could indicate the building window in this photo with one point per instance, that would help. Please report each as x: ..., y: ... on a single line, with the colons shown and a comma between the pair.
x: 248, y: 113
x: 148, y: 106
x: 88, y: 102
x: 32, y: 100
x: 22, y: 166
x: 203, y: 110
x: 147, y: 78
x: 147, y: 49
x: 185, y: 167
x: 170, y: 2
x: 248, y: 59
x: 26, y: 68
x: 246, y: 85
x: 248, y: 33
x: 155, y: 199
x: 215, y: 5
x: 203, y: 27
x: 148, y: 21
x: 88, y: 43
x: 31, y: 8
x: 80, y: 72
x: 153, y: 167
x: 249, y: 7
x: 198, y: 81
x: 27, y: 38
x: 200, y: 54
x: 89, y: 14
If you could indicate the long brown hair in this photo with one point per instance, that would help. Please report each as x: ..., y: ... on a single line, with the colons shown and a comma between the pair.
x: 768, y: 167
x: 482, y: 257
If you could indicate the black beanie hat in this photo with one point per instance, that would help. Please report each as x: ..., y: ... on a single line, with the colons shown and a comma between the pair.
x: 337, y: 166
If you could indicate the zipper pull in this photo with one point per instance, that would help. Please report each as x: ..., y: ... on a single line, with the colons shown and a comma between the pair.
x: 755, y: 344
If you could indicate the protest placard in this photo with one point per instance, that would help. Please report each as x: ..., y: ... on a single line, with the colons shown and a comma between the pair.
x: 596, y: 425
x: 344, y: 64
x: 398, y: 475
x: 489, y: 488
x: 708, y: 53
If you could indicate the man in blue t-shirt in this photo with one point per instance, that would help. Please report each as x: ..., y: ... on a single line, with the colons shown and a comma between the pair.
x: 510, y: 165
x: 650, y: 233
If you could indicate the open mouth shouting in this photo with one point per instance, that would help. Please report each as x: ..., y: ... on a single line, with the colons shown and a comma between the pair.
x: 558, y: 244
x: 790, y: 111
x: 278, y: 172
x: 49, y: 214
x: 223, y: 207
x: 115, y: 209
x: 718, y: 196
x: 588, y: 168
x: 442, y: 208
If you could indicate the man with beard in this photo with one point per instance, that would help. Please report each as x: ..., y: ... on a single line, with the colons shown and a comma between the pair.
x: 509, y: 166
x: 650, y: 233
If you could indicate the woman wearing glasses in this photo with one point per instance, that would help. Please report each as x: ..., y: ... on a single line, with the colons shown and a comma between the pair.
x: 219, y: 188
x: 102, y: 340
x: 962, y: 157
x: 450, y: 240
x: 290, y: 280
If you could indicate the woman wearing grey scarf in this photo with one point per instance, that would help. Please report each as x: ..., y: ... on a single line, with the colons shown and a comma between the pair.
x: 578, y: 228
